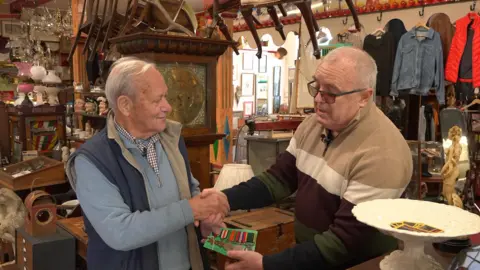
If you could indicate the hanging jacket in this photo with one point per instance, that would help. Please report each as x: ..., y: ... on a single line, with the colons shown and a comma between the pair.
x: 440, y: 22
x: 419, y: 65
x: 457, y: 50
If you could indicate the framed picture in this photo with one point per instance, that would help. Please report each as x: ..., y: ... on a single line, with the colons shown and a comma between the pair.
x: 262, y: 64
x: 276, y: 80
x: 247, y: 108
x: 12, y: 29
x: 248, y: 61
x: 276, y: 104
x: 262, y: 107
x: 248, y: 84
x: 262, y: 91
x: 291, y: 74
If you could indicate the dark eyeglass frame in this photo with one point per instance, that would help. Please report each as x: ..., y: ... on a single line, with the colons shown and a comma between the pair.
x: 329, y: 97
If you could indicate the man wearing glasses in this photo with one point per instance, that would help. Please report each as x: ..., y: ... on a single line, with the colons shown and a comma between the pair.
x: 346, y: 153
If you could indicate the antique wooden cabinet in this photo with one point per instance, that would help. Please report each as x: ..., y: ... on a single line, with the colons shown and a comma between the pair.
x: 35, y: 128
x: 4, y: 134
x: 188, y: 65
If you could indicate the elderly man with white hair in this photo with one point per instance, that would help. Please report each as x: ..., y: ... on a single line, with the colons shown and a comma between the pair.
x: 133, y: 181
x: 346, y: 153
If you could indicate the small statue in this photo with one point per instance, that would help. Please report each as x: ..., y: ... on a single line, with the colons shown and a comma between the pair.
x: 450, y: 171
x: 451, y: 100
x: 65, y: 154
x: 90, y: 107
x: 102, y: 106
x: 79, y: 105
x: 88, y: 129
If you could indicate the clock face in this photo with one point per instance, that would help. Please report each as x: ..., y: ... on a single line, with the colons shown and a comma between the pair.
x: 187, y: 91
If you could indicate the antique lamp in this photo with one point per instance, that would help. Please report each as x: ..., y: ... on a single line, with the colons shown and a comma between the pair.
x: 233, y: 174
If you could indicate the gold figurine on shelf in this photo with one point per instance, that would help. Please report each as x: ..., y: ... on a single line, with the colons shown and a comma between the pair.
x: 450, y: 171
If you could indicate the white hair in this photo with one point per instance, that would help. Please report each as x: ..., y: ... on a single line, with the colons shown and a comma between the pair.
x: 364, y: 68
x: 122, y: 78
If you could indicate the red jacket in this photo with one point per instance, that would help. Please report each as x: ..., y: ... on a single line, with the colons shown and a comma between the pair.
x: 458, y: 46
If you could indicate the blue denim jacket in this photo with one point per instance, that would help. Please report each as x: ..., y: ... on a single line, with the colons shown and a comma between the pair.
x: 419, y: 64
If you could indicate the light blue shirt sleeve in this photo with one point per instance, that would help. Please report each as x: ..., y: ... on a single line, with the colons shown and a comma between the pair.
x: 194, y: 186
x: 112, y: 219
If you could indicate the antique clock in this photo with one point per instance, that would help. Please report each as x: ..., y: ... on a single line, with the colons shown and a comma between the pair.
x: 188, y: 65
x: 41, y: 218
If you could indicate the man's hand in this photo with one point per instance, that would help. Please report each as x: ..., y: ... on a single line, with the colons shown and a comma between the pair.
x: 212, y: 203
x: 212, y: 192
x: 246, y: 260
x: 212, y: 224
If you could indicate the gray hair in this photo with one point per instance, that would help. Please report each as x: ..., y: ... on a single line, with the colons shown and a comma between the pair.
x: 122, y: 78
x: 357, y: 60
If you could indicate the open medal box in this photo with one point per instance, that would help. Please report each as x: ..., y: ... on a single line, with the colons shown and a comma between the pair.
x: 42, y: 171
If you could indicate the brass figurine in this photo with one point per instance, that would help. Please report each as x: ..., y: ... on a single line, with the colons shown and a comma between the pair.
x: 450, y: 171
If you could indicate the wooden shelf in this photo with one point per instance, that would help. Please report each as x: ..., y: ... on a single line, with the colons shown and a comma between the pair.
x: 73, y: 138
x: 91, y: 115
x: 98, y: 94
x: 434, y: 179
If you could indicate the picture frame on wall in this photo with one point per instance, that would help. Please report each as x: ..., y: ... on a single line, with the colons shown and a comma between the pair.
x: 262, y: 107
x: 248, y: 61
x: 262, y: 91
x: 248, y: 84
x: 12, y: 29
x: 276, y: 104
x: 291, y: 74
x: 262, y: 64
x: 276, y: 80
x: 247, y: 108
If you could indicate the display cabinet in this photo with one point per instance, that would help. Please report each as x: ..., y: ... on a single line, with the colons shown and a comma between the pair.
x: 428, y: 159
x: 4, y: 136
x: 35, y: 128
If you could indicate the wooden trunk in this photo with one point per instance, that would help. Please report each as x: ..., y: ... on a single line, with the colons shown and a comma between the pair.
x: 275, y: 230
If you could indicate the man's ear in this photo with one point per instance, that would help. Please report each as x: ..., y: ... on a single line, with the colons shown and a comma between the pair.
x: 124, y: 105
x: 366, y: 96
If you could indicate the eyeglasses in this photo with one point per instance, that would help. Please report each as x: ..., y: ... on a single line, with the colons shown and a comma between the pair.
x: 328, y: 97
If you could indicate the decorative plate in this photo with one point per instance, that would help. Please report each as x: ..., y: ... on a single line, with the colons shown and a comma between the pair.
x: 416, y: 223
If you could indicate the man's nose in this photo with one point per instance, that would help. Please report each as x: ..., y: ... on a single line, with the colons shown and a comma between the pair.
x: 318, y: 98
x: 166, y: 107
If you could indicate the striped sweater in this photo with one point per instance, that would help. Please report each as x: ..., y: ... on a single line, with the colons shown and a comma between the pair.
x: 368, y: 160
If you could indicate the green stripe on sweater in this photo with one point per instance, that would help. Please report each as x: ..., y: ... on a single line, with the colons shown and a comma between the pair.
x: 278, y: 189
x: 335, y: 252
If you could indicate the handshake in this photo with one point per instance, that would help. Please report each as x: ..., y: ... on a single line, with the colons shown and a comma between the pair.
x: 209, y: 208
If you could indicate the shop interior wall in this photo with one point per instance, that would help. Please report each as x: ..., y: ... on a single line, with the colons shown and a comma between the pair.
x: 291, y: 45
x: 410, y: 18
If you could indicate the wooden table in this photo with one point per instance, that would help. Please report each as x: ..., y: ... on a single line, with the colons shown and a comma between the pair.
x: 75, y: 226
x: 443, y: 258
